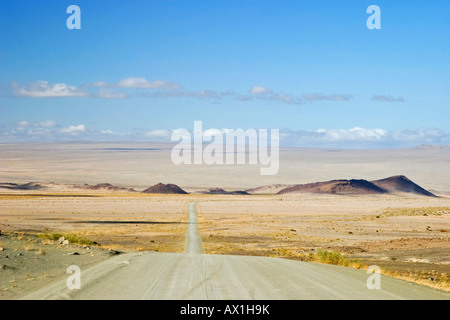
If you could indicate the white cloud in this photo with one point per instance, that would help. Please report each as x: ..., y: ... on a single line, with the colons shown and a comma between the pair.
x: 260, y: 90
x: 142, y: 83
x: 158, y: 134
x: 353, y: 134
x: 387, y: 98
x: 73, y: 130
x: 38, y: 132
x: 43, y: 89
x: 21, y: 125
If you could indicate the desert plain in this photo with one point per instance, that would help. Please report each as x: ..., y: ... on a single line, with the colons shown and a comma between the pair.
x: 44, y: 191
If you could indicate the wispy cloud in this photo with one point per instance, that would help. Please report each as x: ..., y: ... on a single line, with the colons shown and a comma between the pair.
x: 243, y: 98
x: 387, y: 98
x: 109, y: 94
x: 26, y: 130
x: 324, y: 97
x: 268, y: 94
x: 101, y: 84
x: 164, y: 89
x: 228, y: 93
x: 355, y: 137
x: 201, y: 94
x: 142, y: 83
x: 23, y: 125
x: 137, y: 83
x: 426, y: 135
x: 364, y: 137
x: 48, y: 124
x: 44, y: 89
x: 285, y: 98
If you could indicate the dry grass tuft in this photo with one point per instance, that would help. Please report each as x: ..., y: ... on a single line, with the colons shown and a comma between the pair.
x: 337, y: 258
x: 72, y: 238
x: 426, y: 211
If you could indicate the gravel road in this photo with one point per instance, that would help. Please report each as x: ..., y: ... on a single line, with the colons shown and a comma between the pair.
x: 197, y: 276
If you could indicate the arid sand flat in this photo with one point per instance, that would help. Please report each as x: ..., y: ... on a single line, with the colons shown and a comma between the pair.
x: 140, y: 165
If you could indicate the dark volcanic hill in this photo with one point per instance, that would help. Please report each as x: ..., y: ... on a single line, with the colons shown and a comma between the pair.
x: 107, y: 186
x: 268, y: 189
x: 391, y: 184
x: 336, y: 187
x: 222, y: 191
x: 216, y: 191
x: 165, y: 189
x: 26, y: 186
x: 401, y: 184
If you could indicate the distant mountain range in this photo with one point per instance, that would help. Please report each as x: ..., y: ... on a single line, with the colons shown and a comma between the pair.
x: 394, y: 184
x: 433, y: 147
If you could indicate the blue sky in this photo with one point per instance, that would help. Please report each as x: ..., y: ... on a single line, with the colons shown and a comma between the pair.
x: 138, y: 69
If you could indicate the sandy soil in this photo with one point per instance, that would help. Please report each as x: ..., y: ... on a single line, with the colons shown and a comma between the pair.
x: 28, y: 262
x: 118, y: 221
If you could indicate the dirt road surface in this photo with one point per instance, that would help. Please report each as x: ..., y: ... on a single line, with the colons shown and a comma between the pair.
x: 196, y: 276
